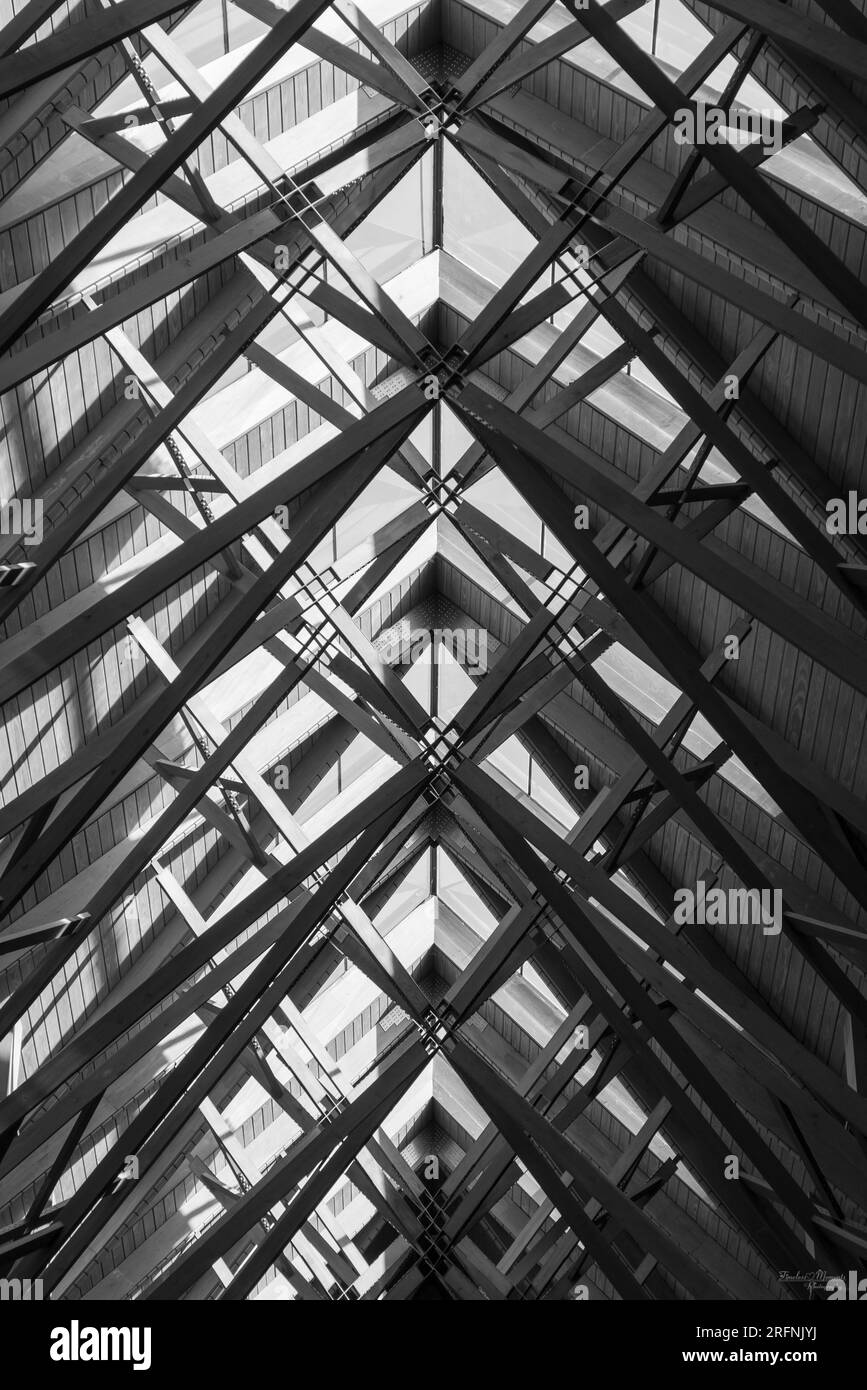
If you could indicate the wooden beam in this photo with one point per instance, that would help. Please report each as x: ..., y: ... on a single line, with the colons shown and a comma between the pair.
x: 516, y: 70
x: 127, y: 201
x: 380, y: 429
x: 769, y: 205
x: 839, y: 52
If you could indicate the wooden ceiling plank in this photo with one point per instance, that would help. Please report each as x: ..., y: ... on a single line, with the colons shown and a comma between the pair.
x: 127, y: 201
x: 527, y: 317
x: 516, y: 70
x: 504, y: 41
x: 25, y: 23
x: 361, y: 321
x: 518, y: 1120
x: 769, y: 205
x: 775, y: 1241
x: 683, y: 670
x: 777, y: 611
x: 777, y: 439
x: 76, y: 42
x: 759, y: 1022
x: 414, y: 85
x: 118, y: 308
x: 356, y: 1122
x: 329, y: 505
x: 205, y: 1062
x: 705, y: 417
x: 742, y: 70
x: 840, y: 52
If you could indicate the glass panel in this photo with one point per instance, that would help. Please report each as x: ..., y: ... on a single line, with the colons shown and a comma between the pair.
x: 397, y: 233
x: 477, y: 227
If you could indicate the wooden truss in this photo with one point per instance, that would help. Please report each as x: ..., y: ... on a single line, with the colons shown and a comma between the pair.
x: 667, y: 1124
